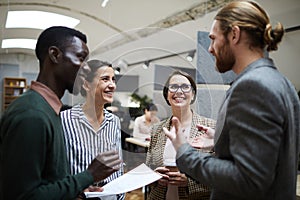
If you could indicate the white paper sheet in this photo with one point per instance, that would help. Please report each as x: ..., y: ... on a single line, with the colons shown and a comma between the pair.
x: 132, y: 180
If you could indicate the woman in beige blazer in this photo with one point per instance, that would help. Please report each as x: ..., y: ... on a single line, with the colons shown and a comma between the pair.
x: 179, y: 92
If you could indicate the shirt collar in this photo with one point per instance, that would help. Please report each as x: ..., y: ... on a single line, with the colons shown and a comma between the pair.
x: 77, y: 112
x: 48, y: 95
x: 262, y: 62
x: 143, y: 118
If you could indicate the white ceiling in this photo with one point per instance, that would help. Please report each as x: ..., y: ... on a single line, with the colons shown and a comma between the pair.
x: 122, y: 28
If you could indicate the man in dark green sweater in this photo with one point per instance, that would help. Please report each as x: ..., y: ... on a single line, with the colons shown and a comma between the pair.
x: 33, y: 162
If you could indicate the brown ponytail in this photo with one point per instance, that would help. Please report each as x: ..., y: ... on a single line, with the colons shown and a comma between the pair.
x: 273, y: 36
x: 252, y: 19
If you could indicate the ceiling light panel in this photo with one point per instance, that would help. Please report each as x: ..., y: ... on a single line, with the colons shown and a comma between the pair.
x: 38, y: 20
x: 19, y: 43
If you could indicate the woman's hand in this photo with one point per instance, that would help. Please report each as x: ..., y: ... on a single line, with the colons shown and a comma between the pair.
x: 177, y: 179
x: 165, y: 178
x: 171, y: 178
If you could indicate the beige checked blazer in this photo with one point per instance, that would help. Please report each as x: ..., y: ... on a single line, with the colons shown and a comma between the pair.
x: 155, y: 159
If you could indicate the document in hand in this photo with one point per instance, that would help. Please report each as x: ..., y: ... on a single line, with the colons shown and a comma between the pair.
x: 132, y: 180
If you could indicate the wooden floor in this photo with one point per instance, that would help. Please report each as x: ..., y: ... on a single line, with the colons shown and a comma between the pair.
x: 135, y: 195
x: 132, y: 160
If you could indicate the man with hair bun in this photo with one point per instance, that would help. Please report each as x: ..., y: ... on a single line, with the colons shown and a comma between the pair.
x: 256, y: 140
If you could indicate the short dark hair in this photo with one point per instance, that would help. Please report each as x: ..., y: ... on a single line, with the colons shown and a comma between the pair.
x: 58, y: 36
x: 150, y: 107
x: 94, y: 66
x: 186, y: 75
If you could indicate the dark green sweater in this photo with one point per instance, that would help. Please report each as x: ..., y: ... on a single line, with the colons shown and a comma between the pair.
x: 33, y: 155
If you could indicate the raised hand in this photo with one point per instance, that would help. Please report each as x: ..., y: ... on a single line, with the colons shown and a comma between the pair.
x: 175, y: 134
x: 210, y: 133
x: 204, y: 141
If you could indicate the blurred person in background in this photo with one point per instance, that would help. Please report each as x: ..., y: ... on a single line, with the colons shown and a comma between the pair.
x: 143, y: 124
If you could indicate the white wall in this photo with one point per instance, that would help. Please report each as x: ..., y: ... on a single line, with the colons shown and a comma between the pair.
x: 27, y: 63
x: 287, y: 57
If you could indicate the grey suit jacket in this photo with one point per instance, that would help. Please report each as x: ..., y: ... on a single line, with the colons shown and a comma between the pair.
x: 256, y: 139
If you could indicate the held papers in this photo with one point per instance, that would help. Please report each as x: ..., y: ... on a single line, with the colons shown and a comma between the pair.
x: 134, y: 179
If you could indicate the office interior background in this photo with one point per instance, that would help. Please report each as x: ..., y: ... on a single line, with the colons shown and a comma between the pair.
x: 144, y: 40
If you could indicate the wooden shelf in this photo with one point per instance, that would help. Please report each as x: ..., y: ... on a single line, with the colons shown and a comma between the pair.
x: 12, y: 89
x: 13, y: 86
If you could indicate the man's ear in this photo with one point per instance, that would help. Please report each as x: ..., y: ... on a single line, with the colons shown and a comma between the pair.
x: 236, y: 34
x: 54, y: 53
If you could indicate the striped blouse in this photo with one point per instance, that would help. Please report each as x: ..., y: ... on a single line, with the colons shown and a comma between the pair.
x: 83, y: 143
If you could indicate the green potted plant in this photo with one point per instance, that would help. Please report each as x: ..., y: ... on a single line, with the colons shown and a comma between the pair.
x: 142, y: 100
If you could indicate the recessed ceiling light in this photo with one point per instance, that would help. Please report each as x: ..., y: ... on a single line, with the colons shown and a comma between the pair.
x: 190, y: 55
x: 38, y: 20
x: 104, y: 2
x: 19, y: 43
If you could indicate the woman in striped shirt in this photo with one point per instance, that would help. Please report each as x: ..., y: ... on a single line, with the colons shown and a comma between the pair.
x: 88, y: 127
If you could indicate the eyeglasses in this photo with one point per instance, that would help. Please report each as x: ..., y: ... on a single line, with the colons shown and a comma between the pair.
x: 184, y: 87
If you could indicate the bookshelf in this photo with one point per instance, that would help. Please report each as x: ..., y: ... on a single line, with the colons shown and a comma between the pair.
x: 12, y: 89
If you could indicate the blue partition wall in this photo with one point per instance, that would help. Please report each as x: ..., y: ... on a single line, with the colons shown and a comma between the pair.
x: 212, y: 84
x: 206, y: 72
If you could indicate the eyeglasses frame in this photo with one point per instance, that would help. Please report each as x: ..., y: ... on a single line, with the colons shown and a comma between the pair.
x: 180, y: 86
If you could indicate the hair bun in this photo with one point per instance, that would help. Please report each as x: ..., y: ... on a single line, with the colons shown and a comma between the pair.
x: 273, y: 36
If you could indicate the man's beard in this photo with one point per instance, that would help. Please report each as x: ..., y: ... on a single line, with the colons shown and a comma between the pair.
x: 225, y: 59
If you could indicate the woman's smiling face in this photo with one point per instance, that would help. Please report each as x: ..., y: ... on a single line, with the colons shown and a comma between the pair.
x: 103, y: 85
x: 180, y: 98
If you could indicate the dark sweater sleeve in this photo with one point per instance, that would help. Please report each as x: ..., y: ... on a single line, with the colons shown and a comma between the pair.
x: 34, y: 160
